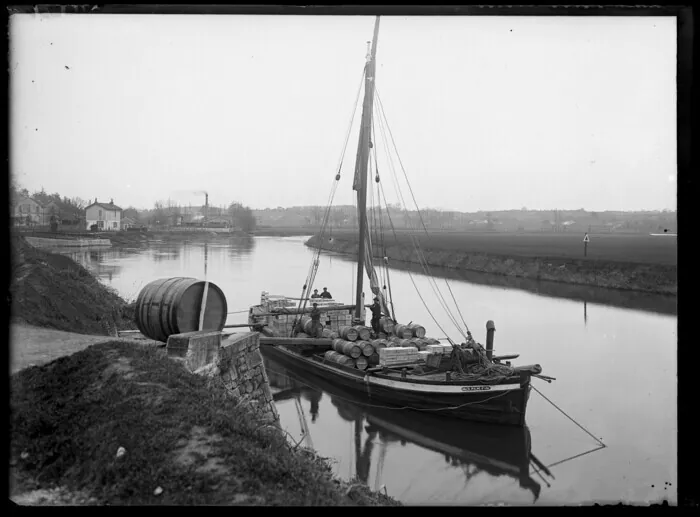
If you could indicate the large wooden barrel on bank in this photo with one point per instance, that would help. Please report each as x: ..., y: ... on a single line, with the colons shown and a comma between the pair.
x: 171, y: 306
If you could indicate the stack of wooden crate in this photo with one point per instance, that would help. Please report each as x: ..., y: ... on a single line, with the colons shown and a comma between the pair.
x: 391, y: 356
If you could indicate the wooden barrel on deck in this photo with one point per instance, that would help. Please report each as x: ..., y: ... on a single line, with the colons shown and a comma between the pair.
x: 361, y: 363
x: 362, y: 332
x: 171, y: 306
x: 417, y: 330
x: 330, y: 334
x: 419, y: 343
x: 379, y: 343
x: 405, y: 343
x: 338, y: 358
x: 403, y: 332
x: 386, y: 324
x: 366, y: 346
x: 348, y: 333
x: 347, y: 348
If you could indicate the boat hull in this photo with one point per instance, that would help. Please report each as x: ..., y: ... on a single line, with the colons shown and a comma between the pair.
x: 497, y: 403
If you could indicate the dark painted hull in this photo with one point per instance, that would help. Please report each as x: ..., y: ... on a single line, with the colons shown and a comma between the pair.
x: 499, y: 404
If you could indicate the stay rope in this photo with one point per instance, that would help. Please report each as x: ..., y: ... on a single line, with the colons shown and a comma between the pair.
x: 313, y: 268
x: 415, y: 244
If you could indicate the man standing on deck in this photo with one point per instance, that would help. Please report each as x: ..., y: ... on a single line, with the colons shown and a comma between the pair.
x: 315, y: 295
x: 315, y: 321
x: 326, y: 294
x: 376, y: 314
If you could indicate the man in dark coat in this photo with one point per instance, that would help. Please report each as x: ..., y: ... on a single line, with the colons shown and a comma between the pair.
x: 315, y: 321
x: 326, y: 294
x: 315, y: 295
x: 376, y: 314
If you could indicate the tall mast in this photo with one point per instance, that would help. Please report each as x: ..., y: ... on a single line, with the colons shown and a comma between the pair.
x: 360, y: 183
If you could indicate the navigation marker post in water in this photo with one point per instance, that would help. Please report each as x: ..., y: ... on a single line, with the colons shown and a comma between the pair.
x: 586, y: 240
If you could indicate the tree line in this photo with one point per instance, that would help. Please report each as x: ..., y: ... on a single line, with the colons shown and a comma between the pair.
x: 73, y: 209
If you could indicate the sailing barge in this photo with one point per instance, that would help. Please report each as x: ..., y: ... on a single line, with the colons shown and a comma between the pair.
x: 391, y: 363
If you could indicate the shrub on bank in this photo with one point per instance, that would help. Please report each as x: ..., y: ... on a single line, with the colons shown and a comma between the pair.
x: 52, y: 290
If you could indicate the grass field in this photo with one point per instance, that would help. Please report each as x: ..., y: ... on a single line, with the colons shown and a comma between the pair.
x: 630, y: 248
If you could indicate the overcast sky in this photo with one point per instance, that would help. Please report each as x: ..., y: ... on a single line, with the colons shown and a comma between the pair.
x: 488, y: 113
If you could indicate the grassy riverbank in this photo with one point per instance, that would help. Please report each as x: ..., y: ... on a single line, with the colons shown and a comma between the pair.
x: 53, y: 291
x: 186, y: 440
x: 285, y: 231
x: 632, y: 262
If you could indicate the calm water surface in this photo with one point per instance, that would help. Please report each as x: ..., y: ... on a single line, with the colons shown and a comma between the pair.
x: 615, y: 370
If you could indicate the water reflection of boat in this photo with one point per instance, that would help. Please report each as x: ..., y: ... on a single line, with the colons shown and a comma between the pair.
x: 470, y: 446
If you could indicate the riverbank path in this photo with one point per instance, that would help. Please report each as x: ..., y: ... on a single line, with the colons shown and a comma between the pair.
x: 34, y: 346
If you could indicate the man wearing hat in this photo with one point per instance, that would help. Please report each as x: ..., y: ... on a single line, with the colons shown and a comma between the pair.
x: 376, y: 314
x: 316, y: 326
x: 326, y: 294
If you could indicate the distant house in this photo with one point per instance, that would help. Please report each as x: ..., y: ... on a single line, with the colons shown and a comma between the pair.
x: 128, y: 222
x: 26, y: 211
x: 107, y: 216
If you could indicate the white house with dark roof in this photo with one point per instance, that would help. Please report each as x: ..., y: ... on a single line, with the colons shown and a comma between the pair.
x: 107, y: 216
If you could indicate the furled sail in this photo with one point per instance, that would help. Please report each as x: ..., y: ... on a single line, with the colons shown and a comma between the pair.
x: 371, y: 272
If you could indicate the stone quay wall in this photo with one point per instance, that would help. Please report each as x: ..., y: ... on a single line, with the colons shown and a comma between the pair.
x: 237, y: 362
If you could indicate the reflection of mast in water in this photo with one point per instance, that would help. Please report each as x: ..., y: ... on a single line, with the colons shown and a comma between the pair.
x: 314, y: 397
x: 363, y: 455
x: 585, y: 313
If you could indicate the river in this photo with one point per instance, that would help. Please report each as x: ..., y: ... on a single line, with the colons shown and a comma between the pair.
x: 614, y: 364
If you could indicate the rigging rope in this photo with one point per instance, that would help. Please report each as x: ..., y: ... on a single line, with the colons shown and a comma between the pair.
x: 313, y: 268
x: 409, y: 273
x: 421, y: 258
x: 381, y: 108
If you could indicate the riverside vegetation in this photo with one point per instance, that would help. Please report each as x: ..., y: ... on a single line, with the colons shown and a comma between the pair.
x: 633, y: 262
x: 121, y: 423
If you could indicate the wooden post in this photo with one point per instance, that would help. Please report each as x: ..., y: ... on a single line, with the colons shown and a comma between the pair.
x: 203, y: 306
x: 490, y: 329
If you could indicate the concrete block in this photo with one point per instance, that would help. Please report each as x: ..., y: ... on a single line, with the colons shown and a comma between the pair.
x: 198, y: 348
